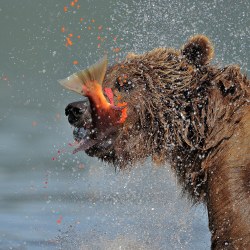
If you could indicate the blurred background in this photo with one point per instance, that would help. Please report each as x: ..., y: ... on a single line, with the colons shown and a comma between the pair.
x: 52, y: 199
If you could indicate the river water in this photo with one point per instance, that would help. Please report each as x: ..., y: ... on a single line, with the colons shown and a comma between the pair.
x: 52, y: 199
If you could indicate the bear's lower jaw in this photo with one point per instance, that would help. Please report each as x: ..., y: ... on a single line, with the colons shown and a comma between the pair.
x: 94, y: 143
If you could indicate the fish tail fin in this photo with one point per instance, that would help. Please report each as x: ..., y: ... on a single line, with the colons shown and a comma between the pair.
x: 83, y: 80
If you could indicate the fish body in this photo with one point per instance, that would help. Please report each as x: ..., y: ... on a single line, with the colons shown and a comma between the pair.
x: 88, y: 83
x: 106, y: 118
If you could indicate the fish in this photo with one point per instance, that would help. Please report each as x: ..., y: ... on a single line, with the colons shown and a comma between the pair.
x: 104, y: 113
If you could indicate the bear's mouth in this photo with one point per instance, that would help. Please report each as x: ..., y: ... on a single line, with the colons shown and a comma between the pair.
x: 97, y: 120
x: 87, y: 137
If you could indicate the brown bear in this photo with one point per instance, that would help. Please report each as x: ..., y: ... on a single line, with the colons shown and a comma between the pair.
x: 176, y: 107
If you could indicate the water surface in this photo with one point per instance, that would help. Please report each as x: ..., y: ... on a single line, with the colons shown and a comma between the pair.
x: 51, y: 199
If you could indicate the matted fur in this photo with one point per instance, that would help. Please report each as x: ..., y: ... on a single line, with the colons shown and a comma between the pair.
x: 183, y: 110
x: 178, y: 113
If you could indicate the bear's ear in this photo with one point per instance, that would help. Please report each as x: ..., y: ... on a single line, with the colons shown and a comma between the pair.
x: 198, y: 50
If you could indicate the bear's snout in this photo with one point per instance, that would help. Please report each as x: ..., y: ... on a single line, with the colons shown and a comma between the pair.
x: 78, y: 114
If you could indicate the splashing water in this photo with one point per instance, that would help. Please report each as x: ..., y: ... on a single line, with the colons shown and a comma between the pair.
x: 86, y: 205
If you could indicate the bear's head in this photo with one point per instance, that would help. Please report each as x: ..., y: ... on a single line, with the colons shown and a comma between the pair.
x: 139, y: 107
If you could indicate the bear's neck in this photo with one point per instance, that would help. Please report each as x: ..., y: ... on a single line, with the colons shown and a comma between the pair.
x: 196, y: 119
x: 213, y: 161
x: 228, y: 189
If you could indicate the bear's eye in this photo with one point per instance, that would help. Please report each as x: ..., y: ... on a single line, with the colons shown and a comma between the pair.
x: 123, y: 84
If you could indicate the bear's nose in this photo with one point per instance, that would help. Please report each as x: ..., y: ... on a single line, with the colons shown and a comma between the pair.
x: 78, y: 113
x: 73, y: 114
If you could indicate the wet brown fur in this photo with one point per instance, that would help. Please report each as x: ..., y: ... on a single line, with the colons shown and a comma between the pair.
x: 178, y: 111
x: 196, y: 115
